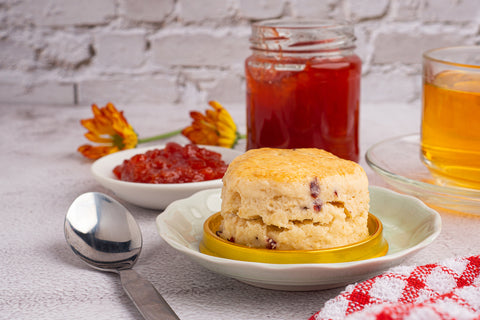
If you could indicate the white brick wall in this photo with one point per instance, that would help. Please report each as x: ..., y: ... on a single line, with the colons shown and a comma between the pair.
x: 189, y: 51
x: 119, y: 50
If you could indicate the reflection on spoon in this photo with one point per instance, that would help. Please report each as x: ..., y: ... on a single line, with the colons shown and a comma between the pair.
x: 105, y: 235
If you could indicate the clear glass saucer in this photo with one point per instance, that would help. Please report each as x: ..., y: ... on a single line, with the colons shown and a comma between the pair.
x: 397, y: 161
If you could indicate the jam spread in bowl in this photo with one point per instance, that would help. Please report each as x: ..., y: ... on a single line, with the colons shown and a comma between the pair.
x: 173, y: 164
x: 158, y: 195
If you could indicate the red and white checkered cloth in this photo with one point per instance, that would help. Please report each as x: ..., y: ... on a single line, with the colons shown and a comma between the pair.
x: 445, y: 290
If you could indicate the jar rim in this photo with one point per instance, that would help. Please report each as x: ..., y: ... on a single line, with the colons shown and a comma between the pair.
x: 302, y: 36
x: 295, y: 23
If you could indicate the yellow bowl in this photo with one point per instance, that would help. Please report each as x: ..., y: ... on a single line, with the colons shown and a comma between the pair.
x: 373, y: 246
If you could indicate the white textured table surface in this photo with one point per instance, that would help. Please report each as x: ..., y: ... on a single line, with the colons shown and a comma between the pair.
x: 42, y: 174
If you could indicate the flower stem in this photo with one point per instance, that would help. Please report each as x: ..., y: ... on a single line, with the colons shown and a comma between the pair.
x: 238, y: 137
x: 159, y: 137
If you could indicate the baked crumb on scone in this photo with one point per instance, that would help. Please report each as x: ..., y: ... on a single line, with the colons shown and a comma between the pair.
x: 294, y: 199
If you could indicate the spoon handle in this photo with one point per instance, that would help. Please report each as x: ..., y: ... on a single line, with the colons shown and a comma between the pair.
x: 145, y: 297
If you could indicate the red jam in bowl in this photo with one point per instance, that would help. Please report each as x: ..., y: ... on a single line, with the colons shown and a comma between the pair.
x: 173, y: 164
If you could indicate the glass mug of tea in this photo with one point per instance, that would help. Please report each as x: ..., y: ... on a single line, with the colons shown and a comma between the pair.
x: 450, y: 133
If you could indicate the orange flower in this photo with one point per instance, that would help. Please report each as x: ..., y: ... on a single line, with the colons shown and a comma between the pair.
x: 215, y: 127
x: 109, y: 128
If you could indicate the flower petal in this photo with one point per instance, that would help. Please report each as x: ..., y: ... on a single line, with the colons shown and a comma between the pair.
x: 110, y: 128
x: 216, y: 127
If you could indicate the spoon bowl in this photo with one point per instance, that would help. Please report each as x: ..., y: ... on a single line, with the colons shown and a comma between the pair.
x: 105, y: 235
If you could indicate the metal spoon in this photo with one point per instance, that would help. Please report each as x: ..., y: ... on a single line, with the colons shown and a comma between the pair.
x: 105, y: 235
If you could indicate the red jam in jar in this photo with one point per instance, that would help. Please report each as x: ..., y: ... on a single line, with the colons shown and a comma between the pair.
x: 173, y: 164
x: 303, y: 87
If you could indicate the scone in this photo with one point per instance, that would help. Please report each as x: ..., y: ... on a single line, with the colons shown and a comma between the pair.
x: 294, y: 199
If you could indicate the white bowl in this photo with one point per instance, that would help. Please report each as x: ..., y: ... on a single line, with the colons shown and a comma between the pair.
x: 409, y: 226
x: 147, y: 195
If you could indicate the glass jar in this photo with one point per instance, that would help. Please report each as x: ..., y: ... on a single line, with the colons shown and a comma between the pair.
x: 303, y: 86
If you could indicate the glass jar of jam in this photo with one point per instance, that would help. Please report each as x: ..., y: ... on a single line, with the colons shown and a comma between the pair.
x: 303, y: 86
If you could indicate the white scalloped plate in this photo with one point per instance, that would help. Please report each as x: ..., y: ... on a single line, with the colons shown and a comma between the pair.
x: 409, y: 225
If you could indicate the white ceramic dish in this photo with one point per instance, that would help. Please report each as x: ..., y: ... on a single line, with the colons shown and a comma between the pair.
x: 409, y: 225
x: 146, y: 195
x: 397, y: 161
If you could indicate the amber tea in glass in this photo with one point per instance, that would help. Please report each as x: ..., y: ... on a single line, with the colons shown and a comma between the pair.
x: 450, y: 133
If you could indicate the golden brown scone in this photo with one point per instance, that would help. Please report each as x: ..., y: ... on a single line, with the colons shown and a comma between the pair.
x: 298, y: 199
